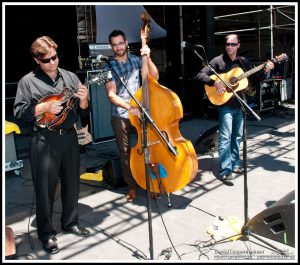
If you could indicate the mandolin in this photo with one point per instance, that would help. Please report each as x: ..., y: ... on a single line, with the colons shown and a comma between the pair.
x: 237, y: 79
x: 67, y: 99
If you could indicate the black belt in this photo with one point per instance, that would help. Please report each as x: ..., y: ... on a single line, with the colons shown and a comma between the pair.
x: 59, y: 131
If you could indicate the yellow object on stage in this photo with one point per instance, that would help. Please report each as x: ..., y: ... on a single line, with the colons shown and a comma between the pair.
x: 92, y: 176
x: 228, y: 228
x: 11, y: 127
x: 10, y: 147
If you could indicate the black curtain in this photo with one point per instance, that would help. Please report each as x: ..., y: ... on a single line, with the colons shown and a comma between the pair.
x: 173, y: 70
x: 195, y: 32
x: 181, y: 78
x: 23, y: 24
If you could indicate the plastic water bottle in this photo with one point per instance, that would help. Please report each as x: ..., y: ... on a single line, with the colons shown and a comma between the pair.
x: 217, y: 225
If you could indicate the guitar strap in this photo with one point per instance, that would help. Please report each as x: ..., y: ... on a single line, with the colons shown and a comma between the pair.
x: 62, y: 77
x: 73, y: 90
x: 242, y: 62
x: 75, y: 103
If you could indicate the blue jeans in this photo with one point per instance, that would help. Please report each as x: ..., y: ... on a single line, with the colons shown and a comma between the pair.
x: 230, y: 136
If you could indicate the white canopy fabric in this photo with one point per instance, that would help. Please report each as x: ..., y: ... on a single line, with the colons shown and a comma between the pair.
x: 125, y: 18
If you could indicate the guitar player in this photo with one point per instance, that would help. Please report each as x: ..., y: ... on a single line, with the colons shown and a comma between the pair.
x: 230, y: 113
x: 54, y: 152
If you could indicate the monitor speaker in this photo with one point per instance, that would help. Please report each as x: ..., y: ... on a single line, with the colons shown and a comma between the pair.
x: 208, y: 142
x: 278, y: 221
x: 112, y: 173
x: 100, y: 111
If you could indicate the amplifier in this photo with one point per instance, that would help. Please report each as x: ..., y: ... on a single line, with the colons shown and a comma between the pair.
x: 100, y: 111
x: 94, y: 49
x: 280, y: 89
x: 266, y: 95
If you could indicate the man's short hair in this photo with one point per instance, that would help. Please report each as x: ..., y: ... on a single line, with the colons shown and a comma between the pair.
x: 116, y: 33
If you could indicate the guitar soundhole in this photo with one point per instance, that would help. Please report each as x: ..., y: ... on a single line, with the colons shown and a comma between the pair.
x: 234, y: 82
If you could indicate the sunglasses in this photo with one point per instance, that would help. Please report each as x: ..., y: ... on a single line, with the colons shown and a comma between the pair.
x: 47, y: 60
x: 231, y: 44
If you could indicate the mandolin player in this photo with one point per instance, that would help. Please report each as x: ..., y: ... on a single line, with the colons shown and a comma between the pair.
x: 230, y: 113
x: 54, y: 150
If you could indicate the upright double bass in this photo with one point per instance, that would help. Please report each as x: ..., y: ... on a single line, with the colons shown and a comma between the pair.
x: 168, y: 172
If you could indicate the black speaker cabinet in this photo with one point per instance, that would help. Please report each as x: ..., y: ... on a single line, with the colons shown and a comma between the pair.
x: 278, y: 221
x: 112, y: 173
x: 100, y: 117
x: 208, y: 142
x: 266, y: 95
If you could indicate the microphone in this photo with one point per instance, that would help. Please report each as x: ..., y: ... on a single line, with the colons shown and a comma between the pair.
x: 102, y: 58
x: 190, y: 46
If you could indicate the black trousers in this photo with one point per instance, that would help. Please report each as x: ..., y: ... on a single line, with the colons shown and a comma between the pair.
x: 53, y: 157
x: 122, y: 129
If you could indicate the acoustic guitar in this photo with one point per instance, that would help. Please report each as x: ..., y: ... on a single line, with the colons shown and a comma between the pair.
x: 236, y: 78
x: 67, y: 99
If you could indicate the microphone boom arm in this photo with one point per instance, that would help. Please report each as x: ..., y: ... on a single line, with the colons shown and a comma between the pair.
x: 102, y: 58
x: 171, y: 148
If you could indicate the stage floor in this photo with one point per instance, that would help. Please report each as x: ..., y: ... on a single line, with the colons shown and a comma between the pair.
x: 120, y: 230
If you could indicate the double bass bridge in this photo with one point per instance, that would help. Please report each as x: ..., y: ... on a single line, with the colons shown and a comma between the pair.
x: 153, y: 143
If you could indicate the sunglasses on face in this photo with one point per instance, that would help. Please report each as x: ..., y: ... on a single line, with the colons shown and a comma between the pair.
x: 47, y: 60
x: 231, y: 44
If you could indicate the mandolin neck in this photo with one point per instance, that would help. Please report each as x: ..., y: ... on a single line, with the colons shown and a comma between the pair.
x: 69, y: 93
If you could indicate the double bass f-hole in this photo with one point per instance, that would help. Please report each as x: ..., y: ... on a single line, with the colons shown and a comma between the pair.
x: 167, y: 136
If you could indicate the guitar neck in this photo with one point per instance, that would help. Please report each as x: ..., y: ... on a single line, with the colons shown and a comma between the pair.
x: 257, y: 68
x: 252, y: 71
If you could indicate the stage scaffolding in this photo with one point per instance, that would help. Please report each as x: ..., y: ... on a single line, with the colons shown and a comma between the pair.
x: 273, y: 23
x: 280, y: 18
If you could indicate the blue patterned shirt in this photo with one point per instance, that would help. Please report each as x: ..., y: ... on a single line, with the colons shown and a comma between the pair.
x: 129, y: 72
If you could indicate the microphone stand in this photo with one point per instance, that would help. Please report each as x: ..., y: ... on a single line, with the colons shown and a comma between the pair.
x: 245, y: 231
x: 146, y: 118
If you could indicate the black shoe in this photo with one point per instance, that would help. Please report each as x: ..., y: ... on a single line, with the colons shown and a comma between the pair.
x: 227, y: 177
x: 50, y: 246
x: 238, y: 170
x: 78, y: 231
x: 227, y: 180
